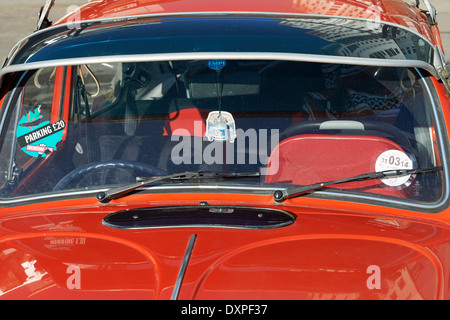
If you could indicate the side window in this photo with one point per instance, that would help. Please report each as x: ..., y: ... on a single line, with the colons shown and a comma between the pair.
x: 30, y: 110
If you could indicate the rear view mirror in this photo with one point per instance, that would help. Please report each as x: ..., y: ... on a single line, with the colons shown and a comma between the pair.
x: 210, y: 85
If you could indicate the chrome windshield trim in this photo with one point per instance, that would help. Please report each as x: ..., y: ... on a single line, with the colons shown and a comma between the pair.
x: 268, y: 190
x: 442, y: 147
x: 222, y: 55
x: 57, y: 196
x: 70, y: 25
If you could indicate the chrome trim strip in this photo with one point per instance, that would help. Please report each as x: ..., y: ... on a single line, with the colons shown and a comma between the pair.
x: 49, y: 196
x: 217, y: 188
x: 184, y: 264
x: 93, y: 192
x: 69, y: 25
x: 222, y: 55
x: 213, y: 13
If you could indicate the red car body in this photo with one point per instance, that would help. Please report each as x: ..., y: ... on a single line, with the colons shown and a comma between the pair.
x: 53, y: 248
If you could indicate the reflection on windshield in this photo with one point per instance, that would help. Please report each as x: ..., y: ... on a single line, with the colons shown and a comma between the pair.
x: 306, y: 35
x: 297, y: 123
x: 360, y: 38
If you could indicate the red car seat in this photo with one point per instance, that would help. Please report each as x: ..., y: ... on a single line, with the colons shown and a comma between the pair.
x: 312, y: 158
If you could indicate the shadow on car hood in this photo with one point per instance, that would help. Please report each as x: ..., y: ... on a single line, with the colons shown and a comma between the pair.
x: 320, y: 256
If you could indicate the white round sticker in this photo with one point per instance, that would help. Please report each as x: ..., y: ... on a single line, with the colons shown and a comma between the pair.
x: 394, y: 160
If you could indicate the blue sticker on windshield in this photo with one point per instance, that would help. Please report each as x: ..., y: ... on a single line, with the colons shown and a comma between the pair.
x: 37, y: 137
x: 217, y: 64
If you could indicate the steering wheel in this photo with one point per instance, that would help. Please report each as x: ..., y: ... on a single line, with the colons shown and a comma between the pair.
x: 350, y: 127
x: 138, y: 169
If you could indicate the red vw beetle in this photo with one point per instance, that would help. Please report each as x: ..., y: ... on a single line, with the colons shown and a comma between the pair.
x: 218, y: 150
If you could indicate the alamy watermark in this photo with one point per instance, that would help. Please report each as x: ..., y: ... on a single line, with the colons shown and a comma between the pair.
x: 74, y: 20
x: 73, y: 281
x: 374, y: 280
x: 374, y: 14
x: 250, y: 147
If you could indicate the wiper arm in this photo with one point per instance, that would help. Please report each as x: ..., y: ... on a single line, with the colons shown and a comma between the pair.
x: 280, y: 196
x: 117, y: 192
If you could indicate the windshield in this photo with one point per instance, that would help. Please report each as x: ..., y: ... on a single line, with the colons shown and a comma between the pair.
x: 102, y: 125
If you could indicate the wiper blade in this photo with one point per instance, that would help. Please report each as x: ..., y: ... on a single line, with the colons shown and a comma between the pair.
x: 117, y: 192
x: 292, y: 192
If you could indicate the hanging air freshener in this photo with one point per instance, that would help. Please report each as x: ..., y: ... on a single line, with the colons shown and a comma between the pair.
x: 220, y: 126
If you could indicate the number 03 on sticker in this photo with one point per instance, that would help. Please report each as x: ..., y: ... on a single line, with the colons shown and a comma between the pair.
x: 394, y: 160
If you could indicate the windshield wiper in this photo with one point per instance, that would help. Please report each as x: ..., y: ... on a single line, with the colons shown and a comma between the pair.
x: 292, y: 192
x: 117, y: 192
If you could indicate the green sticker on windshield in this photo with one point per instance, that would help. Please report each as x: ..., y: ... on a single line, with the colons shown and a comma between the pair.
x: 37, y: 137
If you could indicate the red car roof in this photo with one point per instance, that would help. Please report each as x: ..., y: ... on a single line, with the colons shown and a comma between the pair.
x: 395, y: 11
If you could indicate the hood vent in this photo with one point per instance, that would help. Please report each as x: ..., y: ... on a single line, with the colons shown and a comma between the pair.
x: 199, y: 216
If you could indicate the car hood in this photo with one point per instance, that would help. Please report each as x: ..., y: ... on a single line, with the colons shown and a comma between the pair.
x: 317, y: 255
